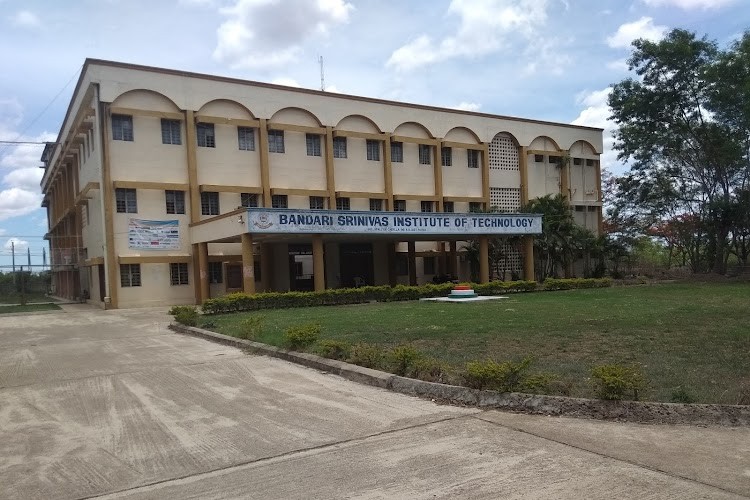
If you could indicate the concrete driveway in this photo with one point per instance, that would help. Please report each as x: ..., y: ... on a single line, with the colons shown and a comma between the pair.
x: 112, y: 404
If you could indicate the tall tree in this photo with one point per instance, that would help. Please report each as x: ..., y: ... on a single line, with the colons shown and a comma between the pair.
x: 686, y: 157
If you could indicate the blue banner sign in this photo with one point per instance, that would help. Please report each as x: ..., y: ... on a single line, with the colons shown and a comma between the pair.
x: 261, y: 220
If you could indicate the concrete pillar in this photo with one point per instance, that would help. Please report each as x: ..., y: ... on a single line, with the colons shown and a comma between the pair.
x: 319, y: 272
x: 452, y: 266
x: 248, y: 264
x: 484, y: 259
x: 528, y: 258
x: 203, y: 272
x: 266, y: 266
x: 412, y: 249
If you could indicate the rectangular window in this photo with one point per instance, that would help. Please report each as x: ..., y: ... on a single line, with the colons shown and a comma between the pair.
x: 206, y: 136
x: 427, y: 206
x: 249, y: 200
x: 592, y: 209
x: 538, y: 158
x: 342, y: 204
x: 397, y: 152
x: 122, y: 128
x: 276, y: 141
x: 317, y: 203
x: 279, y: 201
x: 475, y: 206
x: 126, y: 201
x: 130, y: 275
x: 178, y: 273
x: 429, y: 265
x: 448, y: 207
x: 472, y: 156
x: 554, y: 159
x: 446, y: 156
x: 246, y: 138
x: 215, y: 272
x: 175, y: 201
x: 590, y: 163
x: 170, y: 132
x: 312, y: 141
x: 210, y: 203
x: 376, y: 205
x: 373, y: 150
x: 399, y: 205
x: 424, y: 154
x: 577, y: 161
x: 339, y: 147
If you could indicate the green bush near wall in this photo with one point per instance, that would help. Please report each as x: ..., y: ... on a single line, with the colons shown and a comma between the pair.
x: 236, y: 302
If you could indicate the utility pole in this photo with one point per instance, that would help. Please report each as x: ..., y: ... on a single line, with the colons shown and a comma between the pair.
x: 44, y: 258
x: 28, y: 255
x: 322, y: 76
x: 13, y: 254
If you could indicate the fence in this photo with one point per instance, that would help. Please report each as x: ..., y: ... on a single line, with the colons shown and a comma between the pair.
x: 28, y: 284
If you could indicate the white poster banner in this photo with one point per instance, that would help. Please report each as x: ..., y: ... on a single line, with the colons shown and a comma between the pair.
x: 154, y: 234
x: 345, y: 222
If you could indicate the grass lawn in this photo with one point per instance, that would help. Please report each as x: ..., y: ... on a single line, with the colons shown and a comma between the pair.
x: 15, y: 298
x: 694, y: 336
x: 28, y: 308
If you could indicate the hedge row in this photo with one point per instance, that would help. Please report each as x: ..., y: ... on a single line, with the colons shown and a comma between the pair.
x: 572, y: 283
x: 340, y: 296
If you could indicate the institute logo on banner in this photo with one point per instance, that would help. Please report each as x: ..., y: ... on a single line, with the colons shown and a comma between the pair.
x: 153, y: 234
x: 262, y: 221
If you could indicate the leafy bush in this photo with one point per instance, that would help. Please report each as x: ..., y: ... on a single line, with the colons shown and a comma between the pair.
x: 429, y: 369
x: 367, y: 355
x: 539, y: 383
x: 503, y: 377
x: 402, y: 359
x: 574, y: 283
x: 301, y: 336
x: 250, y: 327
x: 185, y: 315
x: 681, y: 395
x: 341, y: 296
x: 334, y: 349
x: 617, y: 381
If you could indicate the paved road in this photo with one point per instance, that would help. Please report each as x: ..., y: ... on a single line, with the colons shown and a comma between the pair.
x: 114, y: 405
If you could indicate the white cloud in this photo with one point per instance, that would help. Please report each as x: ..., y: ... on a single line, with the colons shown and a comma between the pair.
x: 15, y: 202
x: 467, y: 106
x: 642, y: 28
x: 689, y: 4
x: 270, y: 33
x: 25, y: 19
x: 24, y: 178
x: 485, y: 27
x: 3, y: 232
x: 596, y: 114
x: 289, y: 82
x: 333, y: 88
x: 16, y: 244
x: 618, y: 65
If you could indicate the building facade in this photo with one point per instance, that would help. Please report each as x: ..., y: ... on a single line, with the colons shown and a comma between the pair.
x: 156, y: 173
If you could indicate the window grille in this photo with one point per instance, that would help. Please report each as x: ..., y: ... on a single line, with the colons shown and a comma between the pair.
x: 246, y: 138
x: 122, y: 128
x: 175, y: 201
x: 210, y: 203
x: 170, y: 132
x: 206, y: 137
x: 312, y: 141
x: 126, y: 201
x: 373, y: 150
x: 339, y: 147
x: 178, y: 273
x: 276, y: 141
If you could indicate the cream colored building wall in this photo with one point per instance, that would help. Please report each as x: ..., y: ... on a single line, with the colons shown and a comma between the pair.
x: 459, y: 179
x: 151, y: 205
x: 355, y: 172
x: 226, y: 164
x: 410, y: 177
x: 155, y: 289
x: 293, y: 169
x: 93, y: 232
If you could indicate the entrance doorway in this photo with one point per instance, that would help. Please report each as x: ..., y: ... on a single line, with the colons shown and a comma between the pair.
x: 234, y: 278
x: 102, y: 288
x: 301, y: 268
x: 356, y: 264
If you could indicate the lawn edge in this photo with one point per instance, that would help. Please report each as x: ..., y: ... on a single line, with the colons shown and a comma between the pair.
x: 535, y: 404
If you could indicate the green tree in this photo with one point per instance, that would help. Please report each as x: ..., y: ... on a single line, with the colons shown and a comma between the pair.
x: 687, y: 156
x: 554, y: 248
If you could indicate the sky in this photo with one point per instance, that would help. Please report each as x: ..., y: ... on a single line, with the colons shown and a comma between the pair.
x: 550, y: 60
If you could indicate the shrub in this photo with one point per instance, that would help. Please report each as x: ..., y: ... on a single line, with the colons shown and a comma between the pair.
x: 367, y: 355
x: 250, y: 327
x: 402, y: 359
x: 573, y: 283
x: 185, y: 315
x: 334, y: 349
x: 503, y: 377
x: 617, y: 381
x: 301, y: 336
x: 429, y: 369
x: 681, y: 395
x: 539, y: 383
